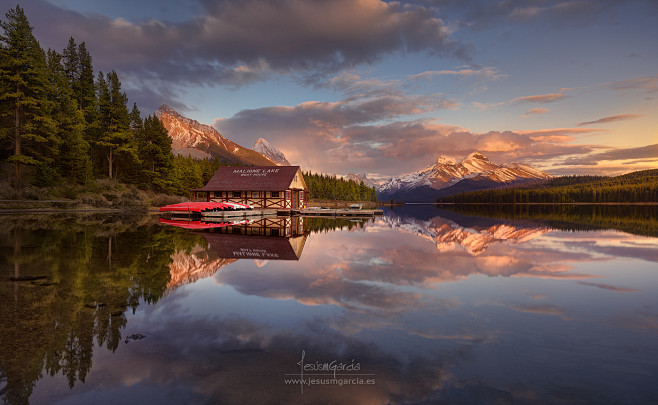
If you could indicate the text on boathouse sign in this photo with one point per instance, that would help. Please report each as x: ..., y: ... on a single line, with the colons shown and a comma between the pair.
x: 255, y: 172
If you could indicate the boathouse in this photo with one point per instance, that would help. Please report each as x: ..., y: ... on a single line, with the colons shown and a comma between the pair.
x: 267, y: 187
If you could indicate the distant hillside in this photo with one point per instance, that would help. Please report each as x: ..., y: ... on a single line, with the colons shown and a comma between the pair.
x: 639, y: 186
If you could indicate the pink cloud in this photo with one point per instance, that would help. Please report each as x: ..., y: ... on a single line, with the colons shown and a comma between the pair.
x: 536, y: 111
x: 642, y: 83
x: 541, y: 98
x: 613, y: 118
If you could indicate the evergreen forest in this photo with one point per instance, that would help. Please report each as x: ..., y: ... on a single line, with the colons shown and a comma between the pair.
x: 329, y: 187
x: 640, y: 186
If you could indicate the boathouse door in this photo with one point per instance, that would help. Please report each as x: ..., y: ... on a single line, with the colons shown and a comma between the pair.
x: 295, y: 200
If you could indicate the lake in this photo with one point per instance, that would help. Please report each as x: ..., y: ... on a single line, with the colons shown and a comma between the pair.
x: 456, y: 305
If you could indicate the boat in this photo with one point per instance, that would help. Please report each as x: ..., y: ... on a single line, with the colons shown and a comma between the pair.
x: 356, y: 206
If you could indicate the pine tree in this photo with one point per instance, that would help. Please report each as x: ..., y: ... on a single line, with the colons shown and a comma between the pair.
x: 71, y: 63
x: 115, y: 138
x: 154, y: 146
x: 73, y: 161
x: 23, y: 108
x: 86, y: 95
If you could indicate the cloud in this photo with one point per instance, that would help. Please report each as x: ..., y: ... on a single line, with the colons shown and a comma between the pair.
x: 486, y: 106
x: 480, y: 14
x: 536, y: 111
x: 609, y: 287
x: 526, y: 12
x: 372, y: 135
x: 559, y: 135
x: 542, y: 98
x: 478, y: 71
x: 539, y: 309
x: 648, y: 84
x: 643, y: 152
x: 238, y: 42
x: 613, y: 118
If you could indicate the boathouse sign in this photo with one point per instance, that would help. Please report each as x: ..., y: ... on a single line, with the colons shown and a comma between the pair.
x: 254, y: 172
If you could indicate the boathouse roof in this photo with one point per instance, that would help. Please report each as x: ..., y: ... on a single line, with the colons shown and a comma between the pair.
x: 265, y: 178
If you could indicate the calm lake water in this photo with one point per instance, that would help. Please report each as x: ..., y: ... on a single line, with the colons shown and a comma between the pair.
x: 543, y: 305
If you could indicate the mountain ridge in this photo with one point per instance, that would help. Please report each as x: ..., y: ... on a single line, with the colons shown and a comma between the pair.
x: 189, y: 137
x: 446, y: 177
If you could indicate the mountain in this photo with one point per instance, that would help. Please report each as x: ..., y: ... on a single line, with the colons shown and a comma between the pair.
x: 189, y: 137
x: 362, y: 177
x: 271, y: 152
x: 446, y: 177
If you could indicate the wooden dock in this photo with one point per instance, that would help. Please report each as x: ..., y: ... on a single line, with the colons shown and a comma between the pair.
x: 339, y: 212
x: 238, y: 214
x: 257, y: 213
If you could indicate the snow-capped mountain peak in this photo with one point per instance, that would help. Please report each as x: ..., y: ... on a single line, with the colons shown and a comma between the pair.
x: 424, y: 184
x: 271, y: 152
x: 444, y: 160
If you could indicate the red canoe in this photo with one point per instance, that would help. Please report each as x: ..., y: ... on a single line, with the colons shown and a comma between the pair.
x: 200, y: 224
x: 204, y: 206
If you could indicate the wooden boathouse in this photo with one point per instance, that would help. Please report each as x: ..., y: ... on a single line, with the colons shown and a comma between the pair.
x: 266, y: 187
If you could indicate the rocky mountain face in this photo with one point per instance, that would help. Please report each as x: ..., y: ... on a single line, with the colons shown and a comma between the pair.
x: 271, y: 152
x: 362, y: 177
x: 189, y: 137
x: 446, y: 177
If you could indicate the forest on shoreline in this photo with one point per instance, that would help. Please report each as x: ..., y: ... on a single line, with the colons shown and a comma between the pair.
x: 635, y: 187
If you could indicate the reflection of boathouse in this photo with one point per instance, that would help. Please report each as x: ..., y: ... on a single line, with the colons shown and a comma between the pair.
x: 274, y: 238
x: 275, y: 187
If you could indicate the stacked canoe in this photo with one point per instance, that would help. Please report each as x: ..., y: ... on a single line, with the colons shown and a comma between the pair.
x: 199, y: 207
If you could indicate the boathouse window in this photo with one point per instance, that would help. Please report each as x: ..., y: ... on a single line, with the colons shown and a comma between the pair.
x: 237, y: 194
x: 255, y: 194
x: 274, y: 194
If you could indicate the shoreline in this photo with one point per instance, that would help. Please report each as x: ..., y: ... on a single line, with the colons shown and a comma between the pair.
x: 648, y: 203
x: 311, y: 203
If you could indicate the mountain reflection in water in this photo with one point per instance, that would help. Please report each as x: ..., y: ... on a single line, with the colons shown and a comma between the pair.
x: 434, y: 306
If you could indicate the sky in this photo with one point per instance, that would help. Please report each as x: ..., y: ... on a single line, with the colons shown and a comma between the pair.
x: 385, y: 88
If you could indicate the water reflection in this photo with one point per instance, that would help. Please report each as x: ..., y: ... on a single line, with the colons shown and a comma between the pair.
x: 436, y: 305
x: 94, y: 269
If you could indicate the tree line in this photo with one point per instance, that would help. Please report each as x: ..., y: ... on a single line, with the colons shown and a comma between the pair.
x: 331, y: 187
x: 640, y: 186
x: 69, y: 125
